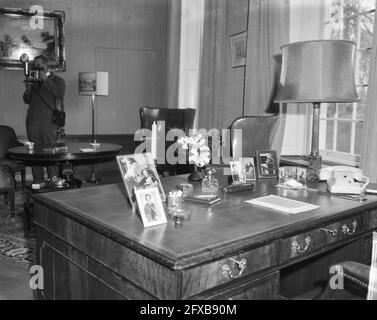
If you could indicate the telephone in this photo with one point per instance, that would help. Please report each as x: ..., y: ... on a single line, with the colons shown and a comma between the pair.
x: 344, y: 179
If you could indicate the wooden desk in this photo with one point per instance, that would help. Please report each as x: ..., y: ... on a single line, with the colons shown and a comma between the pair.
x: 93, y: 247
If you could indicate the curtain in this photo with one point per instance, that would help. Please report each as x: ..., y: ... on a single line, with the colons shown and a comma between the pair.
x: 368, y: 154
x: 173, y: 53
x: 268, y: 30
x: 212, y: 65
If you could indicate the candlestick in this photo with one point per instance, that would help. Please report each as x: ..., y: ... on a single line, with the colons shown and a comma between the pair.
x: 154, y: 141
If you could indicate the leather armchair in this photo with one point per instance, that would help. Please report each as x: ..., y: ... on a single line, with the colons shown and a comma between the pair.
x: 9, y: 140
x: 258, y: 133
x: 356, y: 281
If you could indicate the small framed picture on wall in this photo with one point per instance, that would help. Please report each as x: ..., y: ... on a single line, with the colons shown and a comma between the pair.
x: 238, y: 44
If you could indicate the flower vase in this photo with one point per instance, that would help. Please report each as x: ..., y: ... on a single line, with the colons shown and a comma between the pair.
x: 196, y: 175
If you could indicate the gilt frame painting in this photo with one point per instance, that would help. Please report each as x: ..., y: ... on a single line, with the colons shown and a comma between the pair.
x: 32, y: 32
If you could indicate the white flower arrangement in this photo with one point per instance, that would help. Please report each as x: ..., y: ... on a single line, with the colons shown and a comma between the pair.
x: 200, y: 153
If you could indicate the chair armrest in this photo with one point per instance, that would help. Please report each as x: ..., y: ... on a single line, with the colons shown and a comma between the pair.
x: 356, y: 272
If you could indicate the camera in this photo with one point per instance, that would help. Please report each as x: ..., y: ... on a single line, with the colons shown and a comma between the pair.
x: 33, y: 76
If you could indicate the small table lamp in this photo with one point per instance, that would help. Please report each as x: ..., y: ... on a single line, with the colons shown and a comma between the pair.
x: 315, y: 72
x: 94, y: 84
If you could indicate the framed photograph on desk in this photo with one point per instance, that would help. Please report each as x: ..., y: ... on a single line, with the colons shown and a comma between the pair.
x: 267, y: 165
x: 139, y: 172
x: 150, y: 207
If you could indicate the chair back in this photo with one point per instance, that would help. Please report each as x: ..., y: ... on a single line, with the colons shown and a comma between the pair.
x: 174, y: 118
x: 8, y: 139
x: 258, y: 133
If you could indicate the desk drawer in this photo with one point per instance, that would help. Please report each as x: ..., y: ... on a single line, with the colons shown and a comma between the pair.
x: 264, y: 288
x: 371, y: 220
x: 228, y: 270
x: 317, y: 238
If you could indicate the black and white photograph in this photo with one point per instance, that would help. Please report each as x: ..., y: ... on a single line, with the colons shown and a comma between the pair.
x: 139, y: 172
x: 248, y: 168
x: 238, y: 175
x: 257, y: 117
x: 267, y: 164
x: 150, y: 207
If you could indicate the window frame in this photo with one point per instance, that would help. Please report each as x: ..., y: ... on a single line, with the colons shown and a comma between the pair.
x: 350, y: 158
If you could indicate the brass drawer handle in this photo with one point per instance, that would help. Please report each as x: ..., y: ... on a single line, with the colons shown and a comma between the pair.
x: 227, y: 270
x: 333, y: 232
x: 296, y: 247
x: 347, y: 230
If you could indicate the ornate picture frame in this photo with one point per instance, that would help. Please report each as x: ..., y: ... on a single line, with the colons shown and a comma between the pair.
x: 34, y: 33
x: 267, y: 165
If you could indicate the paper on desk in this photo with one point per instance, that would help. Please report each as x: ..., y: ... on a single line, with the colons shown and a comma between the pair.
x: 283, y: 204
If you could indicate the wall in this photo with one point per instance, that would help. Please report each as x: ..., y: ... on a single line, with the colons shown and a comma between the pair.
x: 234, y: 77
x: 134, y: 26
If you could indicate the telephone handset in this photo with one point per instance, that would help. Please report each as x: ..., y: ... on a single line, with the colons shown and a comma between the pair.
x: 344, y: 179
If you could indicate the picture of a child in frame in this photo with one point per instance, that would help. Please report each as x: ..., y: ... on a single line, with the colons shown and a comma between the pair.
x: 150, y: 208
x: 236, y: 170
x: 248, y: 168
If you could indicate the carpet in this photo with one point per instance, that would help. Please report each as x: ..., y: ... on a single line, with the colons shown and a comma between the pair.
x: 16, y: 245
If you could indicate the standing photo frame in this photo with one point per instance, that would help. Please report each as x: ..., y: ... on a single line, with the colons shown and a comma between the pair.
x: 139, y: 172
x: 238, y: 48
x: 267, y: 165
x: 150, y: 207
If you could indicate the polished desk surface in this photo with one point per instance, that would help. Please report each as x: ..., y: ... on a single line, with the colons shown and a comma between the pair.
x: 73, y: 152
x: 212, y: 232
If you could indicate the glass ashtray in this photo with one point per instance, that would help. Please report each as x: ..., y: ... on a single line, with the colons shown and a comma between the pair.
x: 180, y: 215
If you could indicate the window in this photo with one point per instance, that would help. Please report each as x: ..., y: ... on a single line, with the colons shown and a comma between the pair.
x: 341, y: 123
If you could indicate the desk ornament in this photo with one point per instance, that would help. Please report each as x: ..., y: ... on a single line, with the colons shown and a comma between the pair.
x: 175, y: 207
x: 199, y: 153
x: 210, y: 185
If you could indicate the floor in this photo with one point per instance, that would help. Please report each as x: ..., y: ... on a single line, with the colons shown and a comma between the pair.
x: 14, y: 279
x: 14, y: 282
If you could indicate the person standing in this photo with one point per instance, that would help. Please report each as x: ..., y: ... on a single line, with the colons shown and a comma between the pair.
x: 42, y: 97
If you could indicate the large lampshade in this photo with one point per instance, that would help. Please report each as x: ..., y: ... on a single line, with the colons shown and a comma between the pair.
x: 317, y: 71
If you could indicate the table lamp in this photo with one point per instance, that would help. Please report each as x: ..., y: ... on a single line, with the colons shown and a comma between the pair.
x: 317, y: 72
x: 94, y: 84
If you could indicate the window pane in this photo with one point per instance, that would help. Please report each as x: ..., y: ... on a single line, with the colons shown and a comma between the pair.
x: 343, y: 139
x: 350, y: 7
x: 366, y: 30
x: 359, y: 128
x: 364, y: 62
x: 366, y: 5
x: 336, y: 21
x: 350, y: 29
x: 360, y: 107
x: 329, y: 134
x: 331, y: 110
x: 345, y: 110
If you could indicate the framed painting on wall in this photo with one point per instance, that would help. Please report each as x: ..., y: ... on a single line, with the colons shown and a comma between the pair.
x: 238, y: 44
x: 31, y: 32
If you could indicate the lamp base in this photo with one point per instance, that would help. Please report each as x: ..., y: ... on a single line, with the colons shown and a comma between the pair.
x: 314, y: 165
x: 93, y: 178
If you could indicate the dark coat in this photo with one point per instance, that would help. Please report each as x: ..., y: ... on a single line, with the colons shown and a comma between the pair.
x: 39, y: 113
